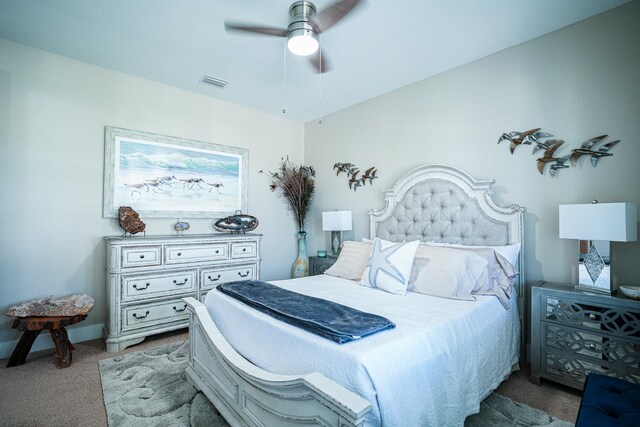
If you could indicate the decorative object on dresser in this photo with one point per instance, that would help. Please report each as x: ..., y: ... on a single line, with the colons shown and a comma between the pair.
x: 130, y: 220
x: 237, y: 223
x: 318, y: 265
x: 575, y: 333
x: 147, y: 278
x: 296, y: 185
x: 336, y: 222
x: 181, y: 226
x: 167, y: 177
x: 596, y: 225
x: 550, y: 146
x: 52, y: 314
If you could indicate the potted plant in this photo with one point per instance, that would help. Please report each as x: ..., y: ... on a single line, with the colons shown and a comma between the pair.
x: 295, y: 184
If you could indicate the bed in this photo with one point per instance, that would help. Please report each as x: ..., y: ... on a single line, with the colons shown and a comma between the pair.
x: 434, y: 368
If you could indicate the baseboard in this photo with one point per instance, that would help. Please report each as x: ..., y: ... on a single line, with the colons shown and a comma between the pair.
x: 44, y: 342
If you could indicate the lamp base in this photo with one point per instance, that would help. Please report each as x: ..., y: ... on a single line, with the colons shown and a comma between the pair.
x: 336, y: 242
x: 595, y: 273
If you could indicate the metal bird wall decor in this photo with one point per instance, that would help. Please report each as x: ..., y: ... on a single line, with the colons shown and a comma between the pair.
x: 542, y: 141
x: 352, y: 172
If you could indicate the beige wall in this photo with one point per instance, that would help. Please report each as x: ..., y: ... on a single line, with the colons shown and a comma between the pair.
x: 52, y: 116
x: 577, y: 83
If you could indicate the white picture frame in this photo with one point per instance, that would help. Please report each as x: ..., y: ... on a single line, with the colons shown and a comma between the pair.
x: 164, y: 176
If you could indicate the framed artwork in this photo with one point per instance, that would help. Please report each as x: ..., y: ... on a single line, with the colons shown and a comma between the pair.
x: 167, y: 177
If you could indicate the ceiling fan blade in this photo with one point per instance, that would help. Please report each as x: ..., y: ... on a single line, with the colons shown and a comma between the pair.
x: 268, y: 31
x: 320, y: 62
x: 333, y: 14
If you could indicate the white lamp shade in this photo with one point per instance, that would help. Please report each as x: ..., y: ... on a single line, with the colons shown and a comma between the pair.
x: 336, y: 221
x: 616, y: 222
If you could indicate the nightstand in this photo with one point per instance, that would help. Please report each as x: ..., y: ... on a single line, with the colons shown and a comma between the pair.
x: 318, y: 265
x: 575, y: 333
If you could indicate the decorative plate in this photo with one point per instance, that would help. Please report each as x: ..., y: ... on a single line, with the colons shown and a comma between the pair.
x: 631, y: 291
x: 237, y: 223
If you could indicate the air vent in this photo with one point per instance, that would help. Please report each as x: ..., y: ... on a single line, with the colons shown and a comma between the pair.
x: 214, y: 81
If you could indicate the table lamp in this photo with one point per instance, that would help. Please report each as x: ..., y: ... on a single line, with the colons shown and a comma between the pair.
x: 336, y: 222
x: 596, y: 225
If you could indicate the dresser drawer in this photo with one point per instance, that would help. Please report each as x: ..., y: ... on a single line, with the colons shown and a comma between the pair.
x: 144, y: 315
x: 572, y: 370
x: 244, y: 250
x: 177, y: 254
x: 594, y: 345
x: 157, y: 284
x: 140, y: 256
x: 614, y: 320
x: 213, y: 277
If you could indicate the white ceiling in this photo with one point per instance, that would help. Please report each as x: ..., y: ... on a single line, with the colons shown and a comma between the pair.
x: 379, y: 47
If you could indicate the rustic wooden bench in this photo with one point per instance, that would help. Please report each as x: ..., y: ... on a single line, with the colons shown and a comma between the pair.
x: 32, y: 326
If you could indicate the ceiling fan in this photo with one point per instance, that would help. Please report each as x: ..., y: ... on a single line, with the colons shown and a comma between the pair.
x: 305, y: 27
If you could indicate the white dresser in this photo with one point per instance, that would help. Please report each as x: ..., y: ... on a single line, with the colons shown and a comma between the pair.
x: 147, y: 277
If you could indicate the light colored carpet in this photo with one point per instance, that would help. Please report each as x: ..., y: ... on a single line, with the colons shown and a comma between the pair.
x: 149, y: 387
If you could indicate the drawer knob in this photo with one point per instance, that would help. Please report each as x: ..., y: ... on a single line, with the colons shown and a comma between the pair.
x: 592, y: 316
x: 180, y: 310
x: 591, y: 346
x: 179, y: 253
x: 212, y: 279
x: 243, y: 275
x: 141, y: 317
x: 135, y: 286
x: 141, y: 256
x: 217, y: 251
x: 244, y: 249
x: 181, y: 283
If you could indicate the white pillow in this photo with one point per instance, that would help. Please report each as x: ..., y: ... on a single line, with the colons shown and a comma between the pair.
x: 446, y: 273
x: 389, y: 267
x: 352, y: 260
x: 510, y: 252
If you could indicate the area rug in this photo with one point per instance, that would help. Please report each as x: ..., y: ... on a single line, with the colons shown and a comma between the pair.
x: 149, y: 387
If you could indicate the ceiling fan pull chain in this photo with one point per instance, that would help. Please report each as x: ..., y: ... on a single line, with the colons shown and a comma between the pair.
x: 321, y: 73
x: 284, y: 80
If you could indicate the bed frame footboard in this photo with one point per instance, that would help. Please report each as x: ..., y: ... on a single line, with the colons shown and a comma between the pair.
x: 247, y: 395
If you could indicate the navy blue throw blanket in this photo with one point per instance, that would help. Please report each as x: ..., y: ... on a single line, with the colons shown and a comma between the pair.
x: 328, y: 319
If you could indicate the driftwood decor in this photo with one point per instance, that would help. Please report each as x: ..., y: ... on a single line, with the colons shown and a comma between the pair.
x: 352, y: 172
x: 544, y: 141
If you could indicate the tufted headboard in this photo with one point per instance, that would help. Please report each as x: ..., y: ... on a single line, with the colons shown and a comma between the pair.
x: 441, y: 203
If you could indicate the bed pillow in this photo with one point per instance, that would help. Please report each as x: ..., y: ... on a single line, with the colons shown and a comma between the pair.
x: 352, y: 260
x: 389, y: 267
x: 510, y: 252
x: 499, y: 276
x: 445, y: 272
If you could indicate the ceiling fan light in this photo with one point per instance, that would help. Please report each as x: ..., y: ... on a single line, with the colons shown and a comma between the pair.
x: 303, y: 42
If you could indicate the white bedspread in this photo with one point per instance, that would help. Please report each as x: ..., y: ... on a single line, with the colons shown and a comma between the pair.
x: 433, y: 369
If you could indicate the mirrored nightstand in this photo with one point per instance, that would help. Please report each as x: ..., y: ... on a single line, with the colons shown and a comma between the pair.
x: 318, y: 265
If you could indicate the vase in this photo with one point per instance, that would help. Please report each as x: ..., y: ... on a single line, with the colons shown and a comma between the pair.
x: 300, y: 267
